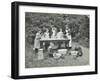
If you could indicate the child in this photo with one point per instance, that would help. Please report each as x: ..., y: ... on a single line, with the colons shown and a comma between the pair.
x: 60, y: 34
x: 54, y: 31
x: 37, y: 41
x: 68, y: 36
x: 52, y: 47
x: 46, y: 34
x: 76, y: 52
x: 79, y: 49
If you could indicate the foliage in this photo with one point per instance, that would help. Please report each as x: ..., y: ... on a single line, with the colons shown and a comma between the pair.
x: 78, y: 24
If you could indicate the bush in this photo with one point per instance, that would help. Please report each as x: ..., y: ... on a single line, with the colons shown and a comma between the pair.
x: 78, y: 24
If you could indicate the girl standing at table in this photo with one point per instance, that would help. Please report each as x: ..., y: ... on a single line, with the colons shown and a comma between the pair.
x: 54, y: 31
x: 60, y: 34
x: 68, y: 36
x: 37, y: 41
x: 46, y: 34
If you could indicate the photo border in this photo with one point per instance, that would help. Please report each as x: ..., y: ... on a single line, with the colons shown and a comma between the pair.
x: 15, y: 39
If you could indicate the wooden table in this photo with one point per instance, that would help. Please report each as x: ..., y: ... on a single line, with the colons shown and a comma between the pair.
x: 57, y: 41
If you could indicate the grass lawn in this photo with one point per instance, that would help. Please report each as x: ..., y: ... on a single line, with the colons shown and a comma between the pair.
x: 68, y: 60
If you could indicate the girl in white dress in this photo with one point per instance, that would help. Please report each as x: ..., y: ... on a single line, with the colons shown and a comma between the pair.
x: 46, y: 34
x: 68, y: 35
x: 54, y: 30
x: 60, y: 34
x: 37, y: 41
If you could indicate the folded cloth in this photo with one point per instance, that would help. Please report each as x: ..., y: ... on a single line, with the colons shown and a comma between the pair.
x: 56, y: 55
x: 74, y: 52
x: 62, y: 51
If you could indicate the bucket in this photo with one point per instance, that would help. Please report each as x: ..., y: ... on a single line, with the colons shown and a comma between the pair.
x: 40, y: 54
